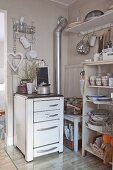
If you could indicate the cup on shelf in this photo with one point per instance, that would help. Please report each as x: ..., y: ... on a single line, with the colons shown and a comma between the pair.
x: 96, y: 57
x: 92, y: 40
x: 98, y: 81
x: 92, y: 80
x: 105, y: 80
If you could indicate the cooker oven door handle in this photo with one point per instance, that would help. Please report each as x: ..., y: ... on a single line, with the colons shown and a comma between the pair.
x: 53, y: 105
x: 47, y: 150
x: 53, y: 115
x: 49, y: 128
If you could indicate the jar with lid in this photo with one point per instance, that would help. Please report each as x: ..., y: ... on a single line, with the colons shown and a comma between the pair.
x: 98, y: 81
x: 110, y: 79
x: 105, y: 80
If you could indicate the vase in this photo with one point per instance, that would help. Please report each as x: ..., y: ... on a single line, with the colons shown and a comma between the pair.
x: 29, y: 88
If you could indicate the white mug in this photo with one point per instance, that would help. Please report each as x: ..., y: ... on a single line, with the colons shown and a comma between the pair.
x: 29, y: 88
x: 96, y: 56
x: 92, y: 40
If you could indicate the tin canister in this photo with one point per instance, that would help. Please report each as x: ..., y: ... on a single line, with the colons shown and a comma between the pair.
x: 111, y: 81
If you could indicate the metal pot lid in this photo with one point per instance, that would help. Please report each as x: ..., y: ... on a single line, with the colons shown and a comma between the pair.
x: 44, y: 84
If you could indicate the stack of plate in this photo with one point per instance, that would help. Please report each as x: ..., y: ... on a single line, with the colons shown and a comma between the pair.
x: 99, y: 117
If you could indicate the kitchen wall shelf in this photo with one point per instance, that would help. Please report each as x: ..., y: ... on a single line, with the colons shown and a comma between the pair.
x: 98, y: 63
x: 24, y: 29
x: 108, y: 87
x: 19, y: 26
x: 95, y: 24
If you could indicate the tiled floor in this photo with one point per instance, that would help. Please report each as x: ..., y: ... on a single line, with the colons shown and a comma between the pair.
x: 5, y: 161
x: 67, y: 160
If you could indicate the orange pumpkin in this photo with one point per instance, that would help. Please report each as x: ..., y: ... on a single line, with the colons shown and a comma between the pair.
x: 107, y: 138
x: 111, y: 141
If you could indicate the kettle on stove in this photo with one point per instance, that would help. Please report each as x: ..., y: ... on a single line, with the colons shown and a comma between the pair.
x: 43, y: 88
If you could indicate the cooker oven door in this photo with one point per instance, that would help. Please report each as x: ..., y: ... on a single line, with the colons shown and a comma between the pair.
x: 46, y: 133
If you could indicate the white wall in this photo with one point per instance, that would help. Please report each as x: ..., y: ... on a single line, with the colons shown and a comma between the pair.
x: 45, y: 15
x: 1, y: 54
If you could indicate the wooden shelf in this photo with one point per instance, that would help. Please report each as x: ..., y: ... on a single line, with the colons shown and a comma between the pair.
x: 106, y: 87
x: 94, y: 130
x: 95, y: 24
x: 92, y: 63
x: 88, y: 149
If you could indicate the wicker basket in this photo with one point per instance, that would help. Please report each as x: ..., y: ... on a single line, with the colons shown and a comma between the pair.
x: 73, y: 105
x: 98, y: 151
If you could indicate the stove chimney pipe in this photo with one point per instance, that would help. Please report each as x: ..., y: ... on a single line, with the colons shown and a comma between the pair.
x: 61, y: 24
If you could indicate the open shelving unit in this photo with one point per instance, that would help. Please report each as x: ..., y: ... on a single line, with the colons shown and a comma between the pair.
x: 95, y: 24
x: 94, y: 68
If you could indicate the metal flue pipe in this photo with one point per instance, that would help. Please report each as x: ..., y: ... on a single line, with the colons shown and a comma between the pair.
x: 62, y: 22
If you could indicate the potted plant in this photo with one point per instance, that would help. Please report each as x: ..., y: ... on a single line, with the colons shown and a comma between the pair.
x: 28, y: 75
x: 29, y: 71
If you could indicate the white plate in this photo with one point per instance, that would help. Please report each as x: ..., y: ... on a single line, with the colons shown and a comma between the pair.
x: 95, y: 128
x: 96, y: 123
x: 99, y: 118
